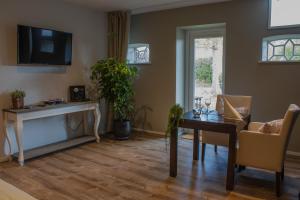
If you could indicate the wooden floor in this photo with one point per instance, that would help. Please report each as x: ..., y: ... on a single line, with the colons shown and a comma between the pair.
x: 139, y: 169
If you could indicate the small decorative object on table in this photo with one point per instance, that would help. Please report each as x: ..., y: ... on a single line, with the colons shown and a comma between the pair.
x: 197, y: 107
x: 18, y: 99
x: 77, y: 93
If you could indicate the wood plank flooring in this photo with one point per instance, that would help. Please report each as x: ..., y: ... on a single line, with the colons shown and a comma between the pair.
x: 138, y: 169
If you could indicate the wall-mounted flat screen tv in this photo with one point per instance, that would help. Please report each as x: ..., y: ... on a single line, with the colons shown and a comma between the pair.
x: 38, y: 46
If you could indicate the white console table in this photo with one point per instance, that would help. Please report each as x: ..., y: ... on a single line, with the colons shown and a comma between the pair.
x: 17, y: 117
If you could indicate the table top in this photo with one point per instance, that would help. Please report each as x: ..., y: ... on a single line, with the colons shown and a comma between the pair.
x: 34, y: 108
x: 213, y: 116
x: 210, y: 122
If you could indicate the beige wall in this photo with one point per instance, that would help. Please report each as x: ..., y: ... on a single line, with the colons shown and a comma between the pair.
x: 41, y: 83
x: 273, y: 87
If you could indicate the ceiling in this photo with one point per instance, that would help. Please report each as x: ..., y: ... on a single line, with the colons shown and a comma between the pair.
x: 140, y: 6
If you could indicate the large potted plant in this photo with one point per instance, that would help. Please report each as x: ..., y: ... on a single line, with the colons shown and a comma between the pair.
x: 114, y: 82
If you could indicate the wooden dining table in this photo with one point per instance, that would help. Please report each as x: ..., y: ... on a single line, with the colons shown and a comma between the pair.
x: 206, y: 122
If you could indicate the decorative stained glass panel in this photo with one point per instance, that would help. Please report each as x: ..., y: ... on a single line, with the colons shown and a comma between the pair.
x: 138, y: 54
x: 281, y: 48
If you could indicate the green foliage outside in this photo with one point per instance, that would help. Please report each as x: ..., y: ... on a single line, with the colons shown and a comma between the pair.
x: 114, y: 82
x: 204, y: 71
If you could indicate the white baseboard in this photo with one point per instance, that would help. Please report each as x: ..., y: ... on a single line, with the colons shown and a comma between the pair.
x: 149, y: 131
x: 154, y: 132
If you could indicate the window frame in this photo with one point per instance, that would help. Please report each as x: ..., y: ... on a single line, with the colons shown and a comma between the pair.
x: 213, y: 30
x: 264, y: 45
x: 278, y: 27
x: 140, y: 44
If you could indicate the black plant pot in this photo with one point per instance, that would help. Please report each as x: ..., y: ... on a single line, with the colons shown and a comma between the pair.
x: 122, y: 129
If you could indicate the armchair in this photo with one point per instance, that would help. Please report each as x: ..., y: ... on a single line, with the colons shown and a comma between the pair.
x: 267, y: 151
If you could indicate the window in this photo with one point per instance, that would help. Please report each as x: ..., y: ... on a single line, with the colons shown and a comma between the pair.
x: 281, y: 48
x: 284, y: 13
x: 138, y: 54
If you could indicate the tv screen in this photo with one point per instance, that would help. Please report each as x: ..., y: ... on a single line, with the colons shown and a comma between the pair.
x: 44, y: 46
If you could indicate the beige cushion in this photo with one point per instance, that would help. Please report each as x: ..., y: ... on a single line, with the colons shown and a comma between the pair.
x: 243, y: 111
x: 232, y: 115
x: 230, y: 112
x: 254, y: 126
x: 272, y: 127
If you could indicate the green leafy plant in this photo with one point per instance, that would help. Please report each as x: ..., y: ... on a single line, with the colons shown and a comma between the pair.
x: 114, y: 82
x: 18, y: 94
x: 175, y: 115
x: 204, y: 71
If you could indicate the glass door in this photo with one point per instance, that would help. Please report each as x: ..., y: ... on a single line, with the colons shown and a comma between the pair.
x: 206, y: 66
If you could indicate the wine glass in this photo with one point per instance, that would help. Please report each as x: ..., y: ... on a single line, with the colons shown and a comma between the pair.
x: 207, y: 103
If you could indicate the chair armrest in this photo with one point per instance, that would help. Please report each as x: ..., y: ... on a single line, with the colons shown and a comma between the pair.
x: 259, y: 136
x: 260, y: 150
x: 254, y: 126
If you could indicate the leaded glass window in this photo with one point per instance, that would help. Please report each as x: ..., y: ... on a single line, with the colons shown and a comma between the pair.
x: 138, y: 54
x: 281, y: 48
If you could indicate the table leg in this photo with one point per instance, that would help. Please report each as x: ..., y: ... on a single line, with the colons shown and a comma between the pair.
x: 6, y: 134
x: 196, y: 145
x: 97, y: 116
x: 231, y: 161
x: 173, y: 152
x: 18, y: 125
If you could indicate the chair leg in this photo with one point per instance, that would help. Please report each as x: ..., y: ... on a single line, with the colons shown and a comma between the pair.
x: 216, y: 148
x: 278, y: 183
x: 203, y: 152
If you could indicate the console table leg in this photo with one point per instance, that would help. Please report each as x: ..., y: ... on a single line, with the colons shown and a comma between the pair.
x: 6, y: 134
x: 19, y: 136
x: 97, y: 116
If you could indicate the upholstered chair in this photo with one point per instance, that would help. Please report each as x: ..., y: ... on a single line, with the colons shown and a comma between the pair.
x: 267, y: 150
x: 240, y: 103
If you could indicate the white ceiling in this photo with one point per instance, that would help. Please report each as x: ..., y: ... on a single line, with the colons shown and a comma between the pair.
x: 140, y: 6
